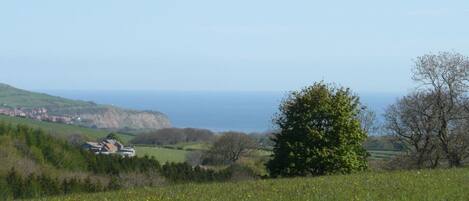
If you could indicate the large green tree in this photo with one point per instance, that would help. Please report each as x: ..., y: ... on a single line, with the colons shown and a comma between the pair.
x: 319, y: 133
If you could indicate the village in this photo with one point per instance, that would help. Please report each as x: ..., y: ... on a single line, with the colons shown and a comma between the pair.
x: 105, y: 147
x: 40, y: 114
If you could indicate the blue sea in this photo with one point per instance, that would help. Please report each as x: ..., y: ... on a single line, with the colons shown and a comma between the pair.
x: 218, y: 111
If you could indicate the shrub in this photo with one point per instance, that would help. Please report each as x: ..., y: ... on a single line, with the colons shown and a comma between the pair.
x: 239, y: 172
x: 320, y: 133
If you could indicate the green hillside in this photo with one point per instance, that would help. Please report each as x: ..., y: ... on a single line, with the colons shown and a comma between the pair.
x: 13, y: 97
x: 36, y: 164
x: 83, y: 113
x: 62, y: 130
x: 450, y: 184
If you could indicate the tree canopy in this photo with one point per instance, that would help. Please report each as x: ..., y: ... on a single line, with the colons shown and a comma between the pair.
x: 319, y: 133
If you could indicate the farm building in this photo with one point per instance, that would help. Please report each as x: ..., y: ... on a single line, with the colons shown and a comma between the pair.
x: 109, y: 146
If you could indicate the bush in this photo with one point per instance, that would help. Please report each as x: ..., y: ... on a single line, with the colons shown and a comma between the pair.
x: 16, y: 186
x: 239, y: 172
x: 5, y: 193
x: 320, y: 133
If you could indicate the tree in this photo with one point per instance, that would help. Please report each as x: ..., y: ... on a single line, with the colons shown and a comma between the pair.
x: 436, y: 116
x: 413, y: 122
x: 76, y: 140
x: 368, y: 120
x: 194, y: 158
x: 113, y: 136
x: 15, y: 183
x: 231, y: 146
x: 319, y: 133
x: 446, y: 77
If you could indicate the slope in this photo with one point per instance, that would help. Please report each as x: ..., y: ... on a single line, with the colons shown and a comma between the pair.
x: 83, y: 113
x: 450, y: 184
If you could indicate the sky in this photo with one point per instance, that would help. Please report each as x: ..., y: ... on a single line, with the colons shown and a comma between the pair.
x: 242, y: 45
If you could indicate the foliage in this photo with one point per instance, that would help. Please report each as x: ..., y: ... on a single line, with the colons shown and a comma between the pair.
x: 320, y: 133
x: 45, y: 149
x: 113, y: 136
x: 47, y: 165
x: 42, y: 148
x: 17, y: 186
x: 115, y: 165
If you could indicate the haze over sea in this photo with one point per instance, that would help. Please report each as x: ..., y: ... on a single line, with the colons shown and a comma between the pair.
x: 216, y: 110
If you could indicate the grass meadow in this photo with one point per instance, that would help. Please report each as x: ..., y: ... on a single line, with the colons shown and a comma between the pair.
x: 449, y: 184
x: 383, y: 154
x: 162, y: 154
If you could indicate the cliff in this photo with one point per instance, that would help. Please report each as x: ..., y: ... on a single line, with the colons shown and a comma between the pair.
x: 83, y: 113
x: 120, y: 119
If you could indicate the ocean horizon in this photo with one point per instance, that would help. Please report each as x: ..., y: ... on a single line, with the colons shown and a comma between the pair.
x: 245, y: 111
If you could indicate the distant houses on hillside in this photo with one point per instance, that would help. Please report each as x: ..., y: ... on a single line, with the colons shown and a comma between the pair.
x: 40, y: 114
x: 109, y: 146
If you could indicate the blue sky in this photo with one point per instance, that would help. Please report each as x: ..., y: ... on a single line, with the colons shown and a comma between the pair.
x: 223, y: 45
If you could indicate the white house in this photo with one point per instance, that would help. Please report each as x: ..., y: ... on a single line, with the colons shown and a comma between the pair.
x: 109, y: 146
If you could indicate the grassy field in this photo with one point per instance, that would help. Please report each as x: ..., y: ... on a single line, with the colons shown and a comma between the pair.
x: 196, y: 146
x: 13, y: 97
x: 177, y: 153
x: 170, y: 153
x: 382, y: 154
x: 189, y: 146
x: 61, y: 129
x: 451, y: 184
x: 162, y: 154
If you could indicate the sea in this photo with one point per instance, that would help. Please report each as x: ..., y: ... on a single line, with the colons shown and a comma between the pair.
x: 245, y: 111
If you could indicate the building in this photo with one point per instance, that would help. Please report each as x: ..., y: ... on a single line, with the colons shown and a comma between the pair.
x: 92, y: 146
x: 127, y: 152
x: 109, y: 146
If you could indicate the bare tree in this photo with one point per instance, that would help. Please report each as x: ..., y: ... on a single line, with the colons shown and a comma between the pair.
x: 368, y: 120
x: 194, y: 158
x: 446, y: 77
x: 231, y: 146
x: 412, y: 121
x: 434, y: 119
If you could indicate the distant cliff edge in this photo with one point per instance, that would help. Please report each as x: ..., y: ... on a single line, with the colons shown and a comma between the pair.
x: 44, y: 107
